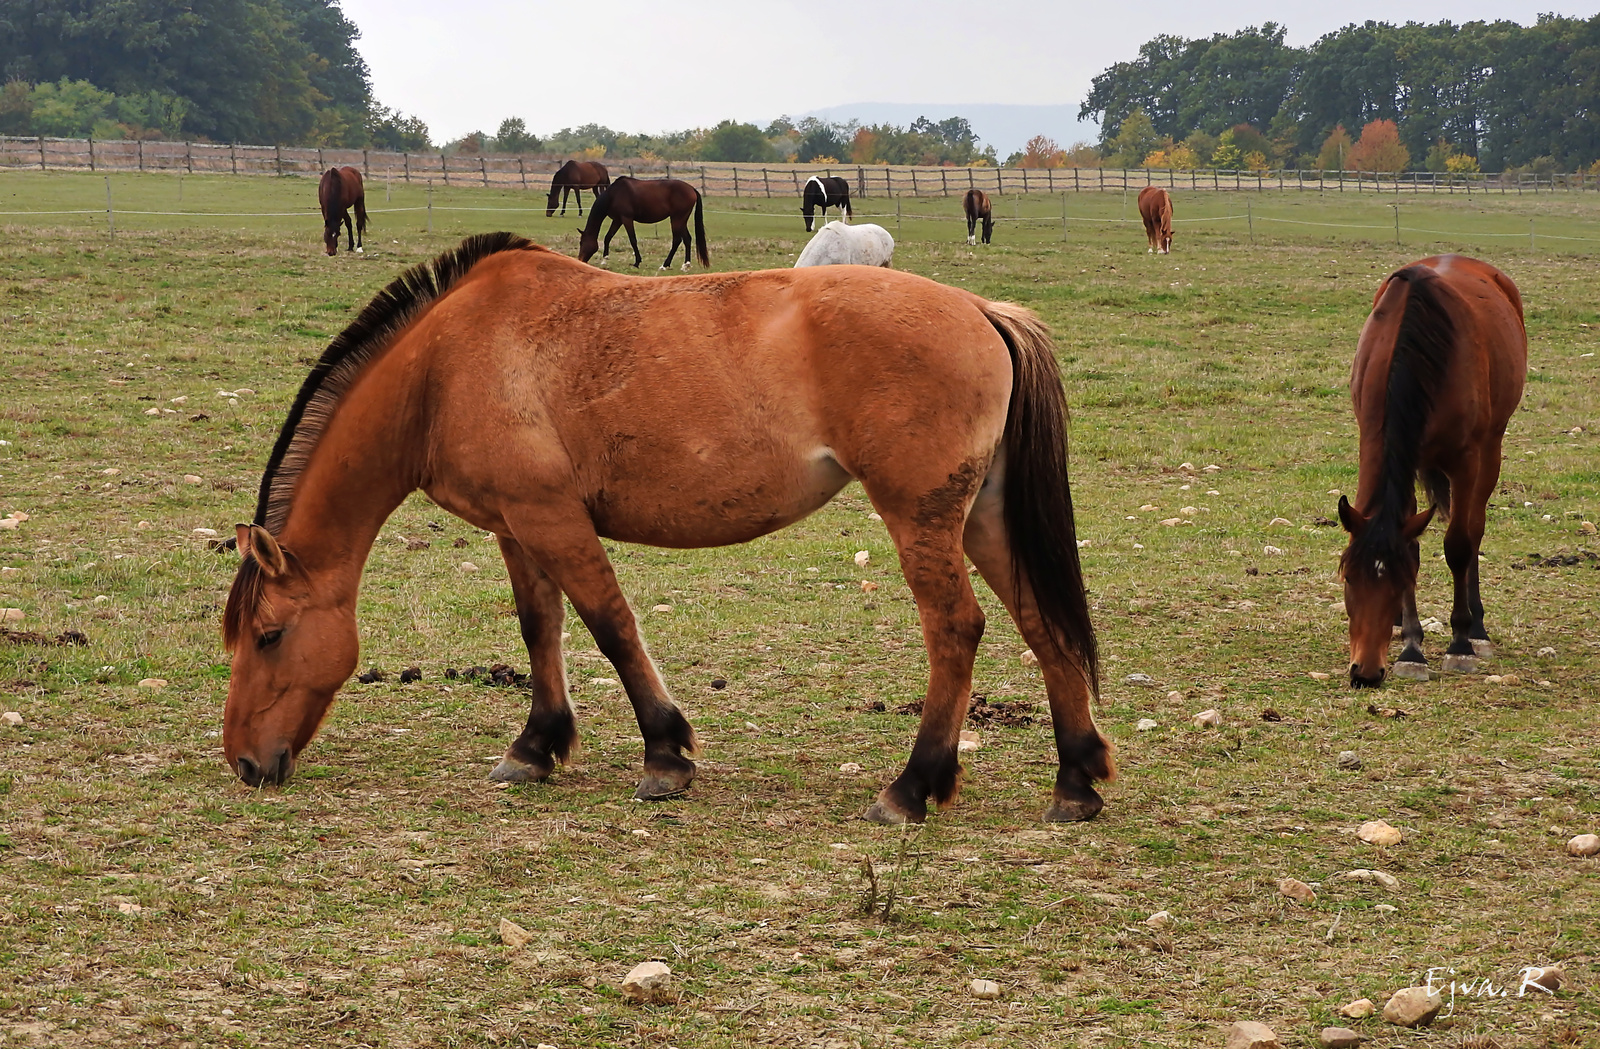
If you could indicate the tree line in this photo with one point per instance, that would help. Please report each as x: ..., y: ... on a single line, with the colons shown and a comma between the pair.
x: 1495, y: 95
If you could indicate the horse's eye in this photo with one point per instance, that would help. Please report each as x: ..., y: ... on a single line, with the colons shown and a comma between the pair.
x: 269, y: 639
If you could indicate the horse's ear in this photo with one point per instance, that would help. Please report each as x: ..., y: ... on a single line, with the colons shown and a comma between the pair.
x: 1353, y: 522
x: 1416, y: 524
x: 257, y: 542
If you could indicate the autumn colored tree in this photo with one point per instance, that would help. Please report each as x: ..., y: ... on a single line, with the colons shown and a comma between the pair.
x: 1379, y: 149
x: 1335, y: 149
x: 1042, y: 152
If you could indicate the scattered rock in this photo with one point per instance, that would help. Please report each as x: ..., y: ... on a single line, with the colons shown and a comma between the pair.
x: 647, y: 982
x: 129, y: 908
x: 153, y: 682
x: 863, y: 558
x: 7, y: 573
x: 660, y: 608
x: 987, y: 990
x: 199, y: 417
x: 1171, y: 521
x: 205, y: 533
x: 1147, y: 507
x: 1359, y: 1009
x: 606, y: 682
x: 1297, y: 890
x: 1271, y: 551
x: 1349, y: 759
x: 1186, y: 466
x: 1584, y: 845
x: 410, y: 674
x: 1388, y: 881
x: 1189, y: 511
x: 1208, y: 719
x: 192, y: 478
x: 1247, y: 1034
x: 850, y: 768
x: 1431, y: 625
x: 1271, y: 714
x: 1510, y: 680
x: 1547, y: 651
x: 514, y: 935
x: 468, y: 566
x: 1386, y: 712
x: 1338, y: 1038
x: 1139, y: 679
x: 1318, y: 675
x: 868, y: 586
x: 460, y: 543
x: 1210, y: 468
x: 1586, y: 527
x: 11, y: 615
x: 1028, y: 658
x: 874, y: 517
x: 152, y: 411
x: 1159, y: 920
x: 417, y: 544
x: 1548, y: 978
x: 719, y: 683
x: 1279, y: 521
x: 1378, y: 832
x: 372, y: 676
x: 1146, y: 725
x: 12, y: 718
x: 1412, y: 1007
x: 1385, y: 908
x: 969, y: 742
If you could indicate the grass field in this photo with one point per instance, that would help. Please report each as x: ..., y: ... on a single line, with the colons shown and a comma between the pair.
x: 147, y: 897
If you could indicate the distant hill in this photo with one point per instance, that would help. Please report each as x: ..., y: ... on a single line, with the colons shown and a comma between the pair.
x: 1005, y: 127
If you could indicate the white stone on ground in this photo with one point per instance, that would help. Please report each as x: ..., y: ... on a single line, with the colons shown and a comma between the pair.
x: 863, y: 558
x: 1297, y: 890
x: 1138, y: 679
x: 1349, y: 759
x: 1159, y: 920
x: 7, y: 573
x: 1378, y: 832
x: 850, y: 768
x: 987, y: 990
x: 513, y: 935
x: 1547, y: 651
x: 468, y: 566
x: 1359, y: 1009
x: 1146, y: 725
x: 10, y: 615
x: 1584, y: 845
x: 1318, y: 675
x: 1279, y: 521
x: 1338, y: 1038
x: 153, y: 682
x: 969, y: 742
x: 1247, y: 1034
x: 661, y: 608
x: 647, y: 982
x: 1387, y: 880
x: 1412, y: 1007
x: 12, y: 718
x: 1208, y: 719
x: 1028, y: 658
x: 1272, y: 551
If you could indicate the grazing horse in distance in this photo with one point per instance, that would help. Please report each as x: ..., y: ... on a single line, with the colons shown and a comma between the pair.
x: 559, y: 406
x: 1155, y: 207
x: 574, y: 177
x: 837, y: 244
x: 824, y: 192
x: 1437, y: 375
x: 339, y: 190
x: 976, y: 205
x: 631, y: 200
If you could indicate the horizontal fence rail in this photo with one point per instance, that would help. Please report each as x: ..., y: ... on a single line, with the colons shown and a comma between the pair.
x: 533, y: 171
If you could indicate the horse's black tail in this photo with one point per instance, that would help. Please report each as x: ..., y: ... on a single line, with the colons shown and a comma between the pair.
x: 699, y: 233
x: 1038, y: 495
x: 1424, y: 346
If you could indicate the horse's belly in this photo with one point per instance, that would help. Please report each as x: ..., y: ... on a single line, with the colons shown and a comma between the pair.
x: 714, y: 505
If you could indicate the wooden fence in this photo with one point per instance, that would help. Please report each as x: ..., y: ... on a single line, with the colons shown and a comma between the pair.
x: 532, y: 172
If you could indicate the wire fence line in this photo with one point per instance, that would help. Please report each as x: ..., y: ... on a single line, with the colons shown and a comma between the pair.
x: 532, y: 172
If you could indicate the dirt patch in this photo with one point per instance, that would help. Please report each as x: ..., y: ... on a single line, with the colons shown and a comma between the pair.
x: 29, y: 637
x: 981, y: 712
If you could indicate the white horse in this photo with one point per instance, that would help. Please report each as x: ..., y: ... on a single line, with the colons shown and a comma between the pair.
x: 838, y: 244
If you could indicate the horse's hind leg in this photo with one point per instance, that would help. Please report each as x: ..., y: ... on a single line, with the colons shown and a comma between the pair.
x: 605, y: 255
x: 633, y: 240
x: 567, y: 548
x: 552, y: 729
x: 361, y: 224
x: 1084, y: 754
x: 680, y: 232
x: 1461, y: 541
x: 349, y: 232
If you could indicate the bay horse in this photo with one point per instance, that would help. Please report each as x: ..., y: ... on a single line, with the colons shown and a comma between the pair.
x: 1437, y: 375
x: 339, y: 190
x: 976, y: 205
x: 837, y: 244
x: 649, y: 200
x: 574, y: 177
x: 557, y: 405
x: 824, y: 192
x: 1155, y: 207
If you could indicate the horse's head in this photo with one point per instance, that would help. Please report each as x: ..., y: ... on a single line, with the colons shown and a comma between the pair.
x: 552, y: 200
x: 291, y: 652
x: 330, y: 236
x: 988, y: 227
x: 588, y: 242
x: 1378, y: 571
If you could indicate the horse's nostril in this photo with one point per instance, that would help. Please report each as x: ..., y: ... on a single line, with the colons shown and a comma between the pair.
x: 250, y: 772
x: 280, y: 768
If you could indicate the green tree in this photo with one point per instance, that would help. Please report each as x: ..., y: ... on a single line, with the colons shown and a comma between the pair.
x: 513, y: 137
x: 387, y: 129
x: 818, y: 138
x: 16, y: 108
x: 737, y: 143
x: 1136, y: 139
x: 69, y: 108
x: 1335, y: 148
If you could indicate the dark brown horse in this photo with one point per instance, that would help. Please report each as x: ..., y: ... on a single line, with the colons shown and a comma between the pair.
x: 339, y: 190
x: 1437, y: 375
x: 824, y: 192
x: 976, y: 205
x: 631, y: 200
x: 1155, y: 207
x: 557, y: 405
x: 574, y: 177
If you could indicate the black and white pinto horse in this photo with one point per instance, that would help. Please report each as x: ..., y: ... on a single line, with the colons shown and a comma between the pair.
x: 824, y: 193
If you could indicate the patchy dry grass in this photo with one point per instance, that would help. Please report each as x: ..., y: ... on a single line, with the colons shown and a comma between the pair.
x: 148, y: 898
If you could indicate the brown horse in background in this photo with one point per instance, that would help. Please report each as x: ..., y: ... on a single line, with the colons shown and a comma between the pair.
x: 976, y: 205
x: 339, y: 190
x: 1155, y: 207
x: 631, y: 200
x: 574, y: 177
x: 557, y: 405
x: 1437, y: 375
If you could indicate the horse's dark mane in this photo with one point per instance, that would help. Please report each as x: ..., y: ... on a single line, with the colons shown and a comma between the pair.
x: 1424, y: 347
x: 601, y: 208
x: 390, y: 311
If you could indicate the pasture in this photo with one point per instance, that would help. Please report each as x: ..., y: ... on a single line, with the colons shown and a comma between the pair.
x: 147, y: 897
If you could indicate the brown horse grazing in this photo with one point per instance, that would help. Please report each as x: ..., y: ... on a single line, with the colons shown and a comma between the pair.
x: 555, y: 405
x: 976, y: 205
x: 631, y: 200
x: 1437, y: 374
x: 339, y: 190
x: 824, y: 192
x: 1155, y: 207
x: 574, y: 177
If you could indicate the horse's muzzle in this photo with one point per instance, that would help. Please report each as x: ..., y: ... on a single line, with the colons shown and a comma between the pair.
x: 273, y: 774
x: 1358, y: 681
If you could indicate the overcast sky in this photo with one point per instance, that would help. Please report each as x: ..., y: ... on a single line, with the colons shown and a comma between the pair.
x: 658, y: 65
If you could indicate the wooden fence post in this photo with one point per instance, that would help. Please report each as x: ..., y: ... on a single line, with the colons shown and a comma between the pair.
x: 141, y: 154
x: 405, y: 165
x: 736, y: 182
x: 91, y: 161
x: 233, y: 157
x: 765, y: 182
x: 444, y: 166
x: 522, y: 169
x: 320, y: 166
x: 278, y: 150
x: 483, y: 169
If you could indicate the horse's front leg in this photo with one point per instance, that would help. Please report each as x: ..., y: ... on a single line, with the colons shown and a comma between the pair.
x: 1460, y: 553
x: 633, y: 240
x: 552, y: 729
x: 350, y: 233
x: 1413, y: 663
x: 605, y: 255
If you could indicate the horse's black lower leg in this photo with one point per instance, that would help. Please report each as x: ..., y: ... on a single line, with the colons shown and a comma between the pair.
x: 552, y: 730
x: 633, y: 240
x: 350, y: 233
x: 1459, y: 553
x: 612, y: 232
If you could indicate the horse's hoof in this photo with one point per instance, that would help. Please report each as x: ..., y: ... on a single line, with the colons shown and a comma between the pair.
x: 1073, y: 810
x: 510, y: 770
x: 668, y: 779
x: 361, y: 251
x: 686, y: 267
x: 1407, y: 670
x: 1483, y: 648
x: 888, y: 815
x: 1460, y: 664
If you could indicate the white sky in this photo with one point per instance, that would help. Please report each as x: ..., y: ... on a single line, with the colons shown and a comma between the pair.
x: 665, y: 65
